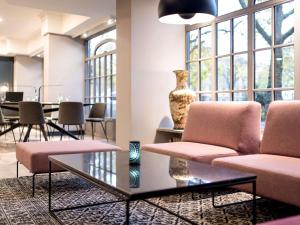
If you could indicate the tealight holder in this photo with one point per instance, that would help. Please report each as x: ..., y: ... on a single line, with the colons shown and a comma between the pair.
x: 134, y: 153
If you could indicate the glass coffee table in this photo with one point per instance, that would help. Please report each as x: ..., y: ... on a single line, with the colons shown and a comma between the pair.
x: 157, y: 175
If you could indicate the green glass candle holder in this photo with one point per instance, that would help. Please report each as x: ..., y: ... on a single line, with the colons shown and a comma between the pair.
x: 134, y: 153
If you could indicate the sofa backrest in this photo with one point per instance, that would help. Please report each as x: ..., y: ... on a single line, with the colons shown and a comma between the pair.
x: 282, y: 131
x: 235, y: 125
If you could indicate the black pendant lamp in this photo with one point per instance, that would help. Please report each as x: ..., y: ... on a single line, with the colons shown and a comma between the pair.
x: 186, y: 11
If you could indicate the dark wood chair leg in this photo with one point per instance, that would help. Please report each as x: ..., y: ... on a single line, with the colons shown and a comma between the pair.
x: 21, y: 134
x: 104, y: 130
x: 92, y: 130
x: 13, y: 133
x: 28, y: 133
x: 61, y: 135
x: 40, y: 133
x: 44, y: 132
x: 81, y: 133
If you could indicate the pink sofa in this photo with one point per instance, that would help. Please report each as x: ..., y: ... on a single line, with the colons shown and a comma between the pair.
x: 278, y: 166
x: 288, y: 221
x: 214, y: 130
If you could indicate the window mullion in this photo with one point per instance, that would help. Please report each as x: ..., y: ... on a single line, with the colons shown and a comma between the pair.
x: 231, y: 58
x: 199, y: 62
x: 273, y: 53
x: 214, y: 61
x: 251, y: 37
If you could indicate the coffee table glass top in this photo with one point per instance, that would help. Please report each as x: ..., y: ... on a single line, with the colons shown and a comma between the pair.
x: 155, y: 173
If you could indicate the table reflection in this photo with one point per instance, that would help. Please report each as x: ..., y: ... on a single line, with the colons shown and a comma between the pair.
x: 102, y: 165
x: 134, y: 176
x: 180, y: 170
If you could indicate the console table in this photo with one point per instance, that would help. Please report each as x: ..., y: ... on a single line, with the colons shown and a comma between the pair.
x: 171, y: 134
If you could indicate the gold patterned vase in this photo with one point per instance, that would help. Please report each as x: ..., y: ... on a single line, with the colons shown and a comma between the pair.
x: 180, y: 99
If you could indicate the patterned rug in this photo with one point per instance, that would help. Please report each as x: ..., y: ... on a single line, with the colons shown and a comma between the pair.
x: 18, y: 207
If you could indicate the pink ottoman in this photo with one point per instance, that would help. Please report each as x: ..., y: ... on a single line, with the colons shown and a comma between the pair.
x: 34, y: 155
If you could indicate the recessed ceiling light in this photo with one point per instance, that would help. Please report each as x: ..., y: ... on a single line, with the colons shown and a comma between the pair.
x: 84, y: 35
x: 110, y: 21
x: 1, y: 20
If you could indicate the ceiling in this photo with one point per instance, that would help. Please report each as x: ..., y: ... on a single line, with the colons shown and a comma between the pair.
x: 18, y: 22
x: 22, y: 18
x: 92, y: 8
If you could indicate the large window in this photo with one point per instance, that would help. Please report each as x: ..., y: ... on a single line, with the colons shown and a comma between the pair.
x: 247, y: 53
x: 100, y: 78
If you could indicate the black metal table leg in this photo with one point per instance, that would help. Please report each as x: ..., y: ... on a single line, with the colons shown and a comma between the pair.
x: 17, y: 169
x: 33, y: 184
x: 254, y: 202
x: 49, y: 188
x: 127, y: 212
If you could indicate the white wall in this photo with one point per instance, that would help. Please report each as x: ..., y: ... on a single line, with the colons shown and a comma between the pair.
x: 28, y: 75
x: 63, y: 68
x: 153, y: 51
x: 14, y: 46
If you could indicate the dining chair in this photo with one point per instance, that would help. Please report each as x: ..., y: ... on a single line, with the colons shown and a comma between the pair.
x: 4, y: 123
x: 31, y: 113
x: 71, y: 114
x: 97, y: 115
x: 11, y: 115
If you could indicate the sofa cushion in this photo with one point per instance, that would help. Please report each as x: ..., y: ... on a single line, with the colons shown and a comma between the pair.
x: 295, y: 220
x: 34, y: 155
x: 234, y: 125
x: 191, y: 151
x: 282, y: 130
x: 278, y: 177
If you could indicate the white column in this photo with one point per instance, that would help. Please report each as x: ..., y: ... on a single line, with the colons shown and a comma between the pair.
x: 63, y: 68
x: 148, y: 52
x: 28, y: 75
x: 123, y: 120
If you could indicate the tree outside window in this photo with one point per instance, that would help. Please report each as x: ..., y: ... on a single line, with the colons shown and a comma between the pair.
x: 271, y: 74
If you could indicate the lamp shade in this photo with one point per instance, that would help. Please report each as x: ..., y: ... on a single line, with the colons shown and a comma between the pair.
x: 186, y: 11
x: 4, y: 87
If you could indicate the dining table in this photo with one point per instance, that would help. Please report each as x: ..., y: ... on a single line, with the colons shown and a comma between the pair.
x: 14, y: 106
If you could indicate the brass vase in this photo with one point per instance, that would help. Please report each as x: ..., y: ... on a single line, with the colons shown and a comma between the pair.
x: 180, y: 99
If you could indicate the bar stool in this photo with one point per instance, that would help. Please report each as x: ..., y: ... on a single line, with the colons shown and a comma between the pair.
x: 4, y: 123
x: 71, y: 114
x: 97, y: 115
x: 31, y: 113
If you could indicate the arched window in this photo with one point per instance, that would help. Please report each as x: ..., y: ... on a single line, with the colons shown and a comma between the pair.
x: 100, y: 78
x: 105, y: 46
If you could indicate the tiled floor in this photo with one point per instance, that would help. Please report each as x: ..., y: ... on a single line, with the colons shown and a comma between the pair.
x: 8, y: 156
x: 8, y: 160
